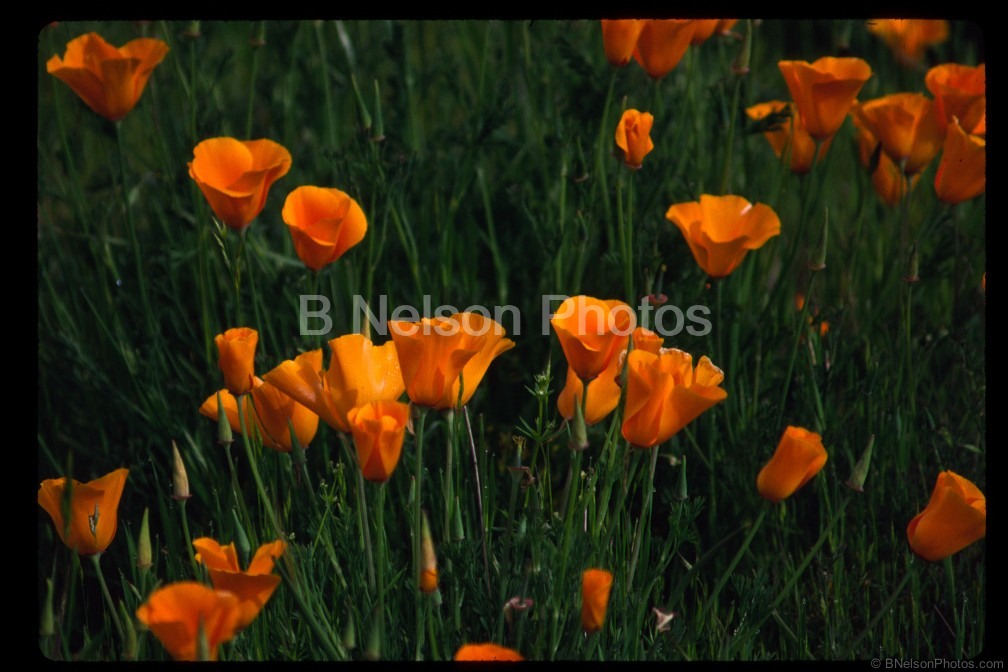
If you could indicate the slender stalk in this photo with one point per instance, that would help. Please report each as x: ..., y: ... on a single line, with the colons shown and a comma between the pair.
x: 645, y: 518
x: 380, y: 549
x: 362, y: 501
x: 883, y: 610
x: 274, y: 521
x: 188, y: 538
x: 794, y: 347
x: 252, y: 80
x: 108, y: 596
x: 479, y: 498
x: 141, y: 270
x: 417, y: 505
x: 731, y: 567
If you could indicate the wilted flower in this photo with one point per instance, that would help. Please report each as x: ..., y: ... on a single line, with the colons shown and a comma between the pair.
x: 109, y: 80
x: 92, y: 508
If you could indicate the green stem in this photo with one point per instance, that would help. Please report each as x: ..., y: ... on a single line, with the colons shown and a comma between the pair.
x: 188, y: 538
x: 731, y: 567
x: 883, y: 610
x: 417, y: 505
x: 274, y: 521
x: 380, y: 539
x: 251, y: 90
x: 794, y: 347
x: 730, y: 140
x: 324, y: 76
x: 108, y: 597
x: 362, y: 501
x: 645, y: 518
x: 134, y: 241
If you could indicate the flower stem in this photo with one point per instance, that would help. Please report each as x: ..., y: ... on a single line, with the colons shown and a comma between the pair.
x: 188, y: 539
x: 417, y: 503
x: 108, y: 597
x: 134, y: 241
x: 731, y: 567
x: 884, y: 609
x: 274, y: 521
x: 794, y: 347
x: 645, y: 518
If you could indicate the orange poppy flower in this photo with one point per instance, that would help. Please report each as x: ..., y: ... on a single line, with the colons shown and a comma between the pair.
x: 93, y: 510
x: 235, y: 176
x: 109, y: 80
x: 604, y: 391
x: 888, y: 180
x: 619, y: 37
x: 664, y: 393
x: 633, y: 136
x: 175, y: 613
x: 955, y: 517
x: 359, y: 372
x: 824, y: 90
x: 487, y: 651
x: 434, y: 352
x: 269, y: 410
x: 378, y: 428
x: 789, y: 136
x: 324, y: 224
x: 720, y: 230
x: 959, y: 91
x: 252, y: 587
x: 799, y: 456
x: 592, y: 332
x: 595, y: 587
x: 962, y: 173
x: 236, y: 358
x: 906, y: 126
x: 662, y: 44
x: 908, y: 38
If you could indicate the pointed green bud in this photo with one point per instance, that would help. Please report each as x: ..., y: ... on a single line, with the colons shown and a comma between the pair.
x: 680, y: 493
x: 349, y: 636
x: 374, y: 645
x: 364, y: 114
x: 179, y: 477
x: 818, y: 262
x: 297, y: 450
x: 579, y: 430
x: 241, y: 540
x: 145, y: 558
x: 224, y: 436
x: 912, y: 266
x: 129, y: 633
x: 860, y: 473
x: 47, y: 624
x: 458, y: 531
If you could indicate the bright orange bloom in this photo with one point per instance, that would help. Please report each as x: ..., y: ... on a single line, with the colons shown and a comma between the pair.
x: 720, y: 230
x: 109, y: 80
x: 236, y: 358
x: 662, y: 44
x: 703, y: 29
x: 954, y: 518
x: 799, y: 456
x: 267, y: 409
x: 959, y: 91
x: 664, y: 393
x: 324, y: 224
x: 888, y: 180
x: 359, y: 372
x: 175, y: 613
x: 789, y: 136
x: 252, y: 587
x: 434, y: 352
x: 93, y: 510
x: 595, y: 587
x: 906, y: 126
x: 908, y: 38
x: 378, y: 428
x: 604, y: 391
x: 619, y: 37
x: 824, y: 90
x: 962, y: 173
x: 235, y: 176
x: 633, y: 136
x: 592, y: 332
x: 487, y: 651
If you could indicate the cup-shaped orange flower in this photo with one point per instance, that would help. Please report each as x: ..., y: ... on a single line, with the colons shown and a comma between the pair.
x: 665, y: 393
x: 93, y: 511
x: 824, y: 90
x: 955, y: 517
x: 619, y: 37
x: 592, y: 332
x: 789, y: 137
x: 720, y: 230
x: 908, y: 38
x: 596, y: 585
x: 359, y: 372
x: 604, y: 391
x: 959, y: 91
x: 633, y: 136
x: 378, y: 428
x: 889, y: 182
x: 235, y: 176
x: 269, y: 410
x: 108, y: 79
x: 324, y: 223
x: 176, y: 612
x: 435, y: 353
x: 254, y: 586
x: 906, y: 126
x: 487, y: 651
x: 799, y: 456
x: 236, y: 358
x: 962, y: 173
x: 662, y: 44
